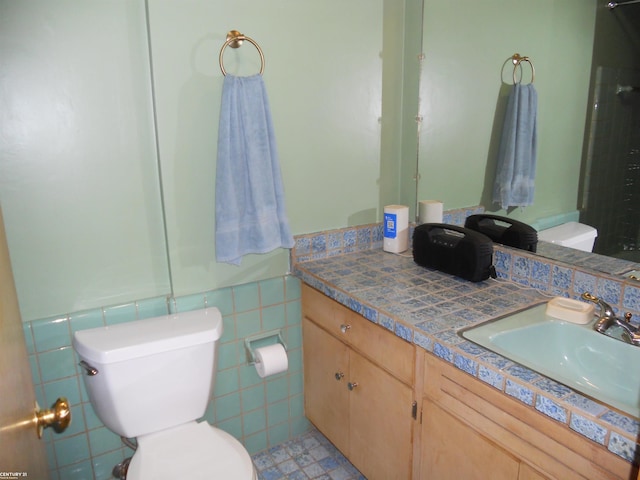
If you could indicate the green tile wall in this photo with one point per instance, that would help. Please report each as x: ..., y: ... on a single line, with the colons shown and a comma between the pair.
x: 259, y: 412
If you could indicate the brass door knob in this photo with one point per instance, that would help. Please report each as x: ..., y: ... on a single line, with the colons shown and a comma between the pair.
x: 58, y: 417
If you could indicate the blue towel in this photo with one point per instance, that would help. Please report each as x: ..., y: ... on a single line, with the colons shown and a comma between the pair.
x: 250, y: 207
x: 516, y: 166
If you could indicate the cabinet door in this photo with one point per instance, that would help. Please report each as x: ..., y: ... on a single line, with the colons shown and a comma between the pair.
x: 326, y: 367
x: 381, y: 422
x: 451, y: 449
x: 529, y: 473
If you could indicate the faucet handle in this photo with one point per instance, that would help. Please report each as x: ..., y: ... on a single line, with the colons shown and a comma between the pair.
x: 627, y: 317
x: 606, y: 311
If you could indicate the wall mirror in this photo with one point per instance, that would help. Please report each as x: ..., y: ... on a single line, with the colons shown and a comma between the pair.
x: 582, y: 52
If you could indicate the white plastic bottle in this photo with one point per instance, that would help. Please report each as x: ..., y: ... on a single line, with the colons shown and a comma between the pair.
x: 396, y: 228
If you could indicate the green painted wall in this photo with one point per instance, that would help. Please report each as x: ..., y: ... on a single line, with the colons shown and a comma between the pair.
x: 78, y: 173
x: 464, y: 83
x: 325, y: 89
x: 101, y: 108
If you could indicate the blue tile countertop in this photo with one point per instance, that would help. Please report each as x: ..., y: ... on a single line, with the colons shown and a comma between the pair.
x: 428, y: 308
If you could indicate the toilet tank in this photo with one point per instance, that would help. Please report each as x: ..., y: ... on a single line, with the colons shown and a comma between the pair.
x: 152, y: 374
x: 571, y: 234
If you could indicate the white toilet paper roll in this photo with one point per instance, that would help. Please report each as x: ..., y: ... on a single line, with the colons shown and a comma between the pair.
x: 430, y: 211
x: 271, y: 359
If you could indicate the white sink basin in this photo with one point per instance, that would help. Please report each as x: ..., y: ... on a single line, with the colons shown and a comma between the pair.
x: 575, y: 355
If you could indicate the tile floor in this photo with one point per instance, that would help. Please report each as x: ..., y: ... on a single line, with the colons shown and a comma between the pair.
x: 309, y: 456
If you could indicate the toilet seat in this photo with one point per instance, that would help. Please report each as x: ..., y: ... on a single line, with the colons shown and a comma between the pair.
x: 195, y: 451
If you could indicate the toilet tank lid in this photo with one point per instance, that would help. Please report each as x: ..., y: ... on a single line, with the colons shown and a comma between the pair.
x: 567, y: 231
x: 140, y: 338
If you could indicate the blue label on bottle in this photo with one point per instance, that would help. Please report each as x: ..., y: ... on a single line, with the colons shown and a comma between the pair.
x: 390, y: 225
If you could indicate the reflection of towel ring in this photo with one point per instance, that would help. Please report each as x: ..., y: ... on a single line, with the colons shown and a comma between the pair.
x: 234, y: 40
x: 517, y: 60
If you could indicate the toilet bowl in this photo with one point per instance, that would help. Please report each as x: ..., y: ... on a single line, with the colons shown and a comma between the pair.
x: 196, y: 451
x: 151, y: 380
x: 571, y: 234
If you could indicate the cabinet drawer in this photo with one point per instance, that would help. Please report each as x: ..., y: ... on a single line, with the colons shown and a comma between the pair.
x: 381, y: 346
x: 325, y: 312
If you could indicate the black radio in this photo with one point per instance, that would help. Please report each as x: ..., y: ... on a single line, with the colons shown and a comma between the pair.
x: 455, y: 250
x: 505, y: 231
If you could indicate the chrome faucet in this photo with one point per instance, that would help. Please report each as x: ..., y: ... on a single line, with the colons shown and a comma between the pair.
x: 630, y: 333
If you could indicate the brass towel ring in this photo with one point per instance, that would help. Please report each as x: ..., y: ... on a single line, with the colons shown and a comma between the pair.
x: 234, y: 40
x: 517, y: 60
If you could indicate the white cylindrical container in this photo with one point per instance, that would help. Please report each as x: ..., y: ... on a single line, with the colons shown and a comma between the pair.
x: 430, y: 211
x: 396, y: 228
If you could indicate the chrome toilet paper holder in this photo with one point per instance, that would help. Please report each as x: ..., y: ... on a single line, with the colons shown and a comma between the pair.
x: 250, y: 349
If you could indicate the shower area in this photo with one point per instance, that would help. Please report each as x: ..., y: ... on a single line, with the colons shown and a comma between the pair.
x: 610, y: 195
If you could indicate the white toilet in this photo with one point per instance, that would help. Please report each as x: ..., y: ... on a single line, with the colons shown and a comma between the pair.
x: 571, y: 234
x: 152, y: 379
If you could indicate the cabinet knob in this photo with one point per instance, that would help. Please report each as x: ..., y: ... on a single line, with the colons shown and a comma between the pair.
x: 344, y: 328
x: 339, y: 376
x: 352, y: 385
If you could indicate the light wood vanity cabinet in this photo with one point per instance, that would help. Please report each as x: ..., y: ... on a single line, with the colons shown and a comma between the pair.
x: 358, y: 381
x: 451, y: 449
x: 528, y: 473
x: 361, y: 382
x: 472, y: 431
